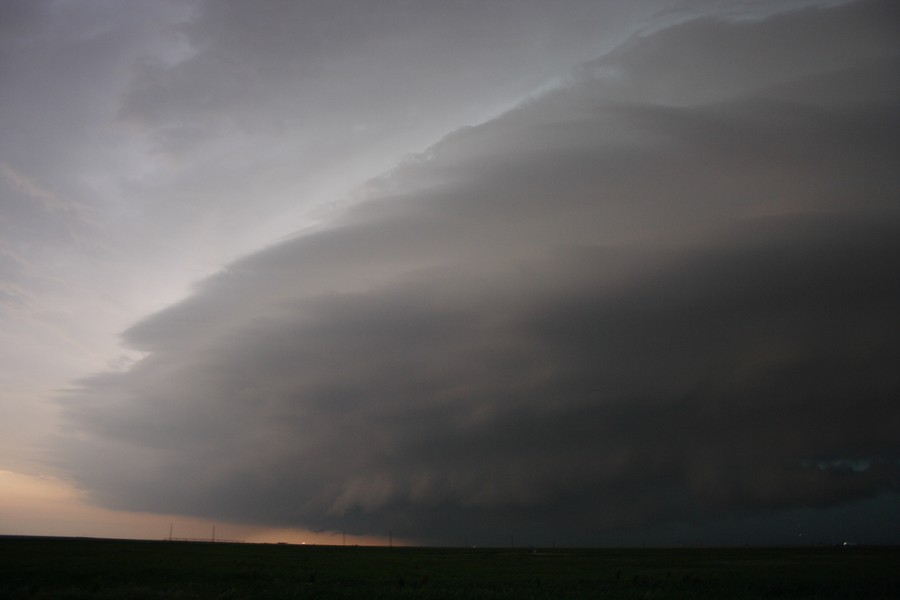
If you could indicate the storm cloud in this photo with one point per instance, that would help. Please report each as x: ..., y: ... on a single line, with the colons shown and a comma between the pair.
x: 664, y: 292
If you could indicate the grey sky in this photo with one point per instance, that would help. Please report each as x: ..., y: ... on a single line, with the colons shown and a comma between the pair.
x: 145, y: 146
x: 610, y: 269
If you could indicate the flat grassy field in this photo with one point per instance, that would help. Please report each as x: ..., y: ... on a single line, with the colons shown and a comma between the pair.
x: 43, y: 568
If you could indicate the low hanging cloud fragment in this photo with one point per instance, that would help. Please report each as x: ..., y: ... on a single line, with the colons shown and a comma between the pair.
x: 626, y: 303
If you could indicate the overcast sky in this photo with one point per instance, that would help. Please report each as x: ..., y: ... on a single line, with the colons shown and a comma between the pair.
x: 576, y: 272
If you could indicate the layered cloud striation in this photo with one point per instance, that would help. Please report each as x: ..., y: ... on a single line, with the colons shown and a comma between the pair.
x: 665, y: 292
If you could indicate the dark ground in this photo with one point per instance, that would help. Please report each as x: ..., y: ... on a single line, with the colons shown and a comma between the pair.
x: 72, y: 568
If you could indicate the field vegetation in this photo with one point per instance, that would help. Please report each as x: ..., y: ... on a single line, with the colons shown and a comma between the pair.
x: 71, y: 568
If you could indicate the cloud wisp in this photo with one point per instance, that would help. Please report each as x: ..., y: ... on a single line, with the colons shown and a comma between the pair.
x: 663, y: 293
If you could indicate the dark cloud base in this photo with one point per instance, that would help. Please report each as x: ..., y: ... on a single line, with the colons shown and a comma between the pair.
x: 620, y: 312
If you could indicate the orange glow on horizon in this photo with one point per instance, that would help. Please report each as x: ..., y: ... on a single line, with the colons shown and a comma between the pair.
x: 48, y: 506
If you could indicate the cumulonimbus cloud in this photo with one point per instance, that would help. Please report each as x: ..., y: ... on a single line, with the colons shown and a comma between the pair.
x: 632, y: 300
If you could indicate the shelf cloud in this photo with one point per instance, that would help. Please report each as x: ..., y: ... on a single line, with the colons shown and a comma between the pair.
x: 663, y: 292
